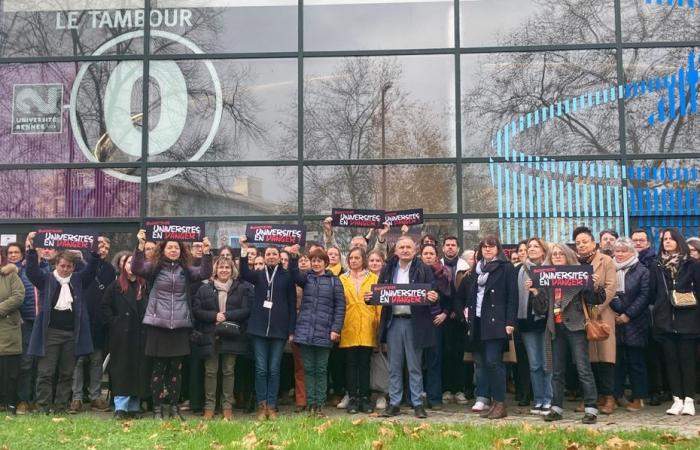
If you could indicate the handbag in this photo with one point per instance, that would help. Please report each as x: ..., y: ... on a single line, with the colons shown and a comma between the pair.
x: 228, y: 329
x: 683, y: 299
x: 596, y: 329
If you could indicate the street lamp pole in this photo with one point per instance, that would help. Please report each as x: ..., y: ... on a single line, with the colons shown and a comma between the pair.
x: 385, y: 87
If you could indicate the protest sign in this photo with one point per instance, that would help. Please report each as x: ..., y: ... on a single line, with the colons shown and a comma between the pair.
x: 360, y: 218
x: 279, y: 234
x: 405, y: 217
x: 66, y: 238
x: 565, y: 277
x: 174, y: 230
x: 400, y: 294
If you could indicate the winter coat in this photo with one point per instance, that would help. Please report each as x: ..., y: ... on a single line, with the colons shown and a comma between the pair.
x: 677, y: 321
x: 279, y: 321
x: 11, y: 298
x: 31, y: 294
x: 205, y: 307
x: 421, y: 319
x: 48, y: 286
x: 361, y: 320
x: 322, y: 308
x: 499, y: 307
x: 604, y: 267
x: 169, y: 303
x: 93, y: 293
x: 129, y: 369
x: 634, y: 304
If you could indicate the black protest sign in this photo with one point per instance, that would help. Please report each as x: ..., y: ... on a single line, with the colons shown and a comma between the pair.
x: 564, y: 277
x: 66, y: 238
x: 360, y: 218
x: 174, y: 230
x: 405, y: 217
x: 280, y: 234
x: 400, y: 294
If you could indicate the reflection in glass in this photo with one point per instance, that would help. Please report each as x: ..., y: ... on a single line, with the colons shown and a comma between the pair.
x: 427, y: 186
x: 661, y: 89
x: 224, y: 191
x: 68, y: 27
x: 66, y: 193
x: 644, y: 21
x: 536, y: 22
x: 553, y: 103
x: 342, y: 25
x: 378, y: 107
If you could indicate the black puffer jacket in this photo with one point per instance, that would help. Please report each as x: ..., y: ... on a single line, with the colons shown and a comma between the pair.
x: 322, y: 307
x: 205, y: 306
x: 677, y: 321
x: 633, y: 303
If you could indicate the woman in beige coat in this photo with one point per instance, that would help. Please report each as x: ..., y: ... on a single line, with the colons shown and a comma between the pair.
x: 602, y: 353
x: 11, y: 298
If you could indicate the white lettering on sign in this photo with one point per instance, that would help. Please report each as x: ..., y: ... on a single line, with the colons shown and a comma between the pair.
x: 120, y: 19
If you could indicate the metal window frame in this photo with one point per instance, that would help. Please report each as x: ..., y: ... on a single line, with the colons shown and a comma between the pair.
x: 300, y: 55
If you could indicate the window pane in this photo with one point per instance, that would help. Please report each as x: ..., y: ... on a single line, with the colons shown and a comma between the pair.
x: 654, y: 118
x: 533, y: 22
x: 553, y: 103
x: 349, y: 101
x: 380, y: 24
x: 544, y: 189
x: 224, y: 110
x: 71, y: 27
x: 666, y: 189
x: 225, y: 26
x: 645, y: 21
x: 429, y: 186
x: 559, y: 229
x: 223, y: 191
x: 72, y: 193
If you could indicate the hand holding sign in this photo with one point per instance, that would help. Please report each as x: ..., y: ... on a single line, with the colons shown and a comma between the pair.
x: 432, y: 296
x: 207, y: 245
x: 418, y: 294
x: 29, y: 242
x: 65, y: 238
x: 141, y: 236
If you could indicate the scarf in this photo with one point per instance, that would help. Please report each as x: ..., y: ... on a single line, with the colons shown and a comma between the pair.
x: 222, y: 289
x: 65, y: 297
x: 671, y: 262
x: 483, y: 269
x: 621, y: 270
x: 587, y: 258
x: 523, y: 291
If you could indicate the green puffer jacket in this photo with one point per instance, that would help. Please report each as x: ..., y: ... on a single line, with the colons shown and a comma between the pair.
x: 11, y: 298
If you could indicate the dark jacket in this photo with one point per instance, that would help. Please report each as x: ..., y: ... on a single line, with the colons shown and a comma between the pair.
x: 279, y: 321
x: 421, y: 319
x: 48, y: 286
x: 677, y: 321
x: 169, y: 303
x: 499, y: 307
x: 104, y: 276
x: 31, y: 294
x: 634, y: 303
x: 129, y: 370
x: 322, y: 307
x: 649, y: 260
x: 205, y: 306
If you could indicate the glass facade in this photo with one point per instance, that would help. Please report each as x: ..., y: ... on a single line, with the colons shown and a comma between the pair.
x: 518, y: 117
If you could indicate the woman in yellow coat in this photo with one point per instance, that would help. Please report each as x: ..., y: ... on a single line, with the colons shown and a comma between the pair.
x: 359, y: 334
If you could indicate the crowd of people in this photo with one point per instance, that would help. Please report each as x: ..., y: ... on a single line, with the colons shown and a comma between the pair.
x: 174, y: 326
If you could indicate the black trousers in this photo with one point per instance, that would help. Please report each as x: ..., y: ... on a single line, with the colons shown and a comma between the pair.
x: 680, y: 365
x: 604, y: 374
x: 59, y: 356
x: 9, y: 373
x: 336, y: 370
x: 454, y: 371
x: 658, y: 381
x: 357, y: 361
x: 166, y: 380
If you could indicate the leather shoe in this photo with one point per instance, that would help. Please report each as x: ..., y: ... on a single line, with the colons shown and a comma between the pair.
x: 485, y: 413
x: 391, y: 411
x: 609, y: 405
x: 499, y: 411
x: 419, y: 412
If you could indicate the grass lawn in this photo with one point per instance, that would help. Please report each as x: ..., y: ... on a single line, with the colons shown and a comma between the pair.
x: 90, y: 433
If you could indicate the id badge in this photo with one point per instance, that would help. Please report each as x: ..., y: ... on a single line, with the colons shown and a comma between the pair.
x: 267, y: 304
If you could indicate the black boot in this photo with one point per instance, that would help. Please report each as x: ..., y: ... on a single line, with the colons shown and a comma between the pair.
x: 175, y: 412
x: 366, y: 406
x: 353, y: 406
x: 158, y: 412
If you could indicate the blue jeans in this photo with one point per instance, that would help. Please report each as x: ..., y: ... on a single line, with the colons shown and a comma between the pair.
x: 541, y: 381
x: 494, y: 368
x: 433, y: 372
x: 268, y: 356
x: 127, y: 403
x: 400, y: 345
x: 95, y: 388
x: 632, y: 361
x: 481, y: 390
x: 577, y: 344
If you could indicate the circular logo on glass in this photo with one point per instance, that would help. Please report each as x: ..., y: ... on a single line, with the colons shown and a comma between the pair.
x: 183, y: 121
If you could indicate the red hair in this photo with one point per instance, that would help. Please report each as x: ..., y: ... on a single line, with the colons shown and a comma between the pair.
x: 123, y: 280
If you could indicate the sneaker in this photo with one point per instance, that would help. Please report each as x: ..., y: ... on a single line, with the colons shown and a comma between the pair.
x: 536, y: 410
x: 75, y: 407
x: 185, y: 406
x: 589, y: 419
x: 544, y: 410
x: 460, y: 398
x: 353, y: 406
x: 688, y: 407
x: 480, y: 407
x: 676, y: 407
x: 381, y: 402
x: 447, y: 397
x: 552, y: 416
x: 344, y: 402
x: 99, y: 405
x: 366, y: 406
x: 22, y: 408
x: 11, y: 410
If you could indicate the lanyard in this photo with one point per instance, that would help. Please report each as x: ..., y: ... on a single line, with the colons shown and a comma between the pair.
x: 270, y: 280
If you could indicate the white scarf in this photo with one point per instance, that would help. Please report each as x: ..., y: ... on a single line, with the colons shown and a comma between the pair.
x: 65, y: 297
x: 621, y: 271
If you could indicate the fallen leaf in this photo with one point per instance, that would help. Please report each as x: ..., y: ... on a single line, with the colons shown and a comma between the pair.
x: 452, y: 433
x: 377, y: 445
x: 572, y: 445
x: 376, y: 414
x: 250, y: 440
x: 617, y: 443
x: 387, y: 433
x: 159, y: 447
x: 126, y: 426
x: 153, y: 436
x: 323, y: 427
x: 507, y: 443
x: 670, y: 438
x: 216, y: 445
x: 424, y: 426
x: 58, y: 419
x: 357, y: 422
